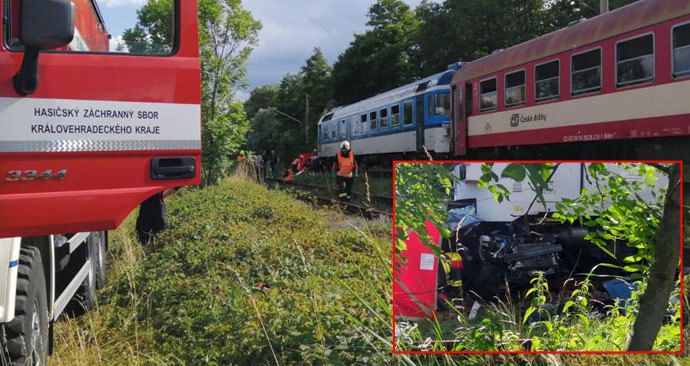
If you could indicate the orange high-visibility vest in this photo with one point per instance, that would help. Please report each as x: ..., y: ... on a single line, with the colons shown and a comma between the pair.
x: 346, y: 165
x: 289, y: 176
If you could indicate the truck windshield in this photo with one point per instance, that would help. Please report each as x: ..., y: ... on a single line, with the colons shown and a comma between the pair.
x: 109, y: 27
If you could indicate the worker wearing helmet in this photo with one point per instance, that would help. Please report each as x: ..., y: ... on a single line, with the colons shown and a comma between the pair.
x: 241, y: 168
x: 345, y: 170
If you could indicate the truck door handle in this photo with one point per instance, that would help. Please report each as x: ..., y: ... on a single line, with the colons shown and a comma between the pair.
x: 173, y: 168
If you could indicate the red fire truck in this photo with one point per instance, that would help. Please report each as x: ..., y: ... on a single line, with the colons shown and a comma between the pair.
x: 85, y: 136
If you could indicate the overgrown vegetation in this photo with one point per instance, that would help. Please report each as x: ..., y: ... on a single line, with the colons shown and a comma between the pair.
x: 227, y: 35
x: 244, y: 274
x: 575, y: 325
x: 616, y: 212
x: 198, y: 297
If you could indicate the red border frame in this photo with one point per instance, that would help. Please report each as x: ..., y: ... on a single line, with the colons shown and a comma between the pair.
x: 676, y: 353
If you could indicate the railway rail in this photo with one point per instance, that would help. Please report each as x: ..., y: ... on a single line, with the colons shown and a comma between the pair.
x: 369, y: 206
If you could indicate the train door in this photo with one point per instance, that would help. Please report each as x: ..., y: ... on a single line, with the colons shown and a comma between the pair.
x: 420, y: 123
x: 463, y: 104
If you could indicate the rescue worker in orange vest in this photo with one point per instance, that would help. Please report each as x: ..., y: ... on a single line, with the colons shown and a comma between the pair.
x: 345, y: 170
x: 241, y: 164
x: 289, y: 176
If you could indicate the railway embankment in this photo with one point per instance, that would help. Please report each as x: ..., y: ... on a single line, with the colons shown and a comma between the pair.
x: 252, y: 276
x: 243, y: 274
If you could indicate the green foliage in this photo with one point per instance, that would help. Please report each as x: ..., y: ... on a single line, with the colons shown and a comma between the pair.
x: 618, y: 213
x: 422, y: 191
x: 381, y: 58
x: 262, y: 97
x: 560, y: 323
x: 121, y: 331
x: 538, y: 174
x: 204, y: 285
x: 539, y: 292
x: 449, y: 32
x: 290, y: 137
x: 227, y: 33
x: 153, y: 33
x: 223, y: 137
x: 565, y: 12
x: 264, y: 130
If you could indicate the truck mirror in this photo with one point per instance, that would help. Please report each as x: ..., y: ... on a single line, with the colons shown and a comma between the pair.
x: 44, y: 24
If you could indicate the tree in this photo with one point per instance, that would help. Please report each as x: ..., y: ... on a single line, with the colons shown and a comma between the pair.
x: 381, y: 58
x: 227, y: 33
x: 261, y: 98
x: 264, y: 130
x: 565, y: 12
x: 465, y: 30
x: 662, y: 272
x: 312, y: 83
x: 223, y: 137
x: 153, y: 33
x: 317, y: 84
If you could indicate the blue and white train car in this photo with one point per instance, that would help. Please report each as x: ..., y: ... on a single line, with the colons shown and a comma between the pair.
x: 410, y: 120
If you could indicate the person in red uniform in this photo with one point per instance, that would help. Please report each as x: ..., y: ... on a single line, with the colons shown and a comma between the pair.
x: 345, y: 170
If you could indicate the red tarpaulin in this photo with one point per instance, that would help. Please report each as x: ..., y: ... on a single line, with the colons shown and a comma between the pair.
x: 415, y: 282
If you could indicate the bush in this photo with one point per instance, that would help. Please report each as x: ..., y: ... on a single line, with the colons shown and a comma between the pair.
x: 248, y: 276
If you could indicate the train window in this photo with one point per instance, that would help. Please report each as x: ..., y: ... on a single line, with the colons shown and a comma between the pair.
x: 407, y: 113
x: 363, y: 119
x: 681, y: 50
x: 635, y: 60
x: 586, y: 72
x: 373, y: 122
x: 343, y: 129
x: 547, y: 81
x: 395, y: 116
x: 442, y: 104
x: 420, y: 110
x: 429, y: 105
x: 489, y: 95
x: 515, y: 88
x: 332, y: 132
x: 324, y: 130
x: 383, y: 115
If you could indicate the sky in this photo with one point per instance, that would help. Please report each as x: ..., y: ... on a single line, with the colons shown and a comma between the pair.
x: 291, y: 30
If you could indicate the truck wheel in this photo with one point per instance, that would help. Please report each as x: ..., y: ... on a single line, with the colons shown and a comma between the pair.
x: 27, y: 334
x: 97, y: 254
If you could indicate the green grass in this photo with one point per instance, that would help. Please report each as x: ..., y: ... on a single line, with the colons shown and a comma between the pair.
x: 192, y: 298
x: 374, y: 186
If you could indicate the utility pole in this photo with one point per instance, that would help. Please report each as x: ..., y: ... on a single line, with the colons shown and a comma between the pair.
x: 306, y: 125
x: 603, y: 6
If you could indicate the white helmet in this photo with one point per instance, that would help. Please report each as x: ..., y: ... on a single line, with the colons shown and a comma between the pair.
x: 345, y: 145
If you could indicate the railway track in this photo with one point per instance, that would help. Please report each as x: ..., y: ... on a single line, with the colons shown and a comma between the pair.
x: 371, y: 206
x: 380, y: 174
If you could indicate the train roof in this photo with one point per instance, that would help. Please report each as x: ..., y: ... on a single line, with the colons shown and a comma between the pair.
x: 622, y: 20
x: 405, y: 91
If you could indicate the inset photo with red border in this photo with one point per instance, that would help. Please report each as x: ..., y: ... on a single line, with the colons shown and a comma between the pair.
x: 533, y: 257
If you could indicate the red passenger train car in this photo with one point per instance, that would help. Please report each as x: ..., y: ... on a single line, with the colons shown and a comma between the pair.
x: 614, y: 86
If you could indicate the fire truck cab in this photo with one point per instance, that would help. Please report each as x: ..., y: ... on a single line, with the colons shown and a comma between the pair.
x: 87, y: 133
